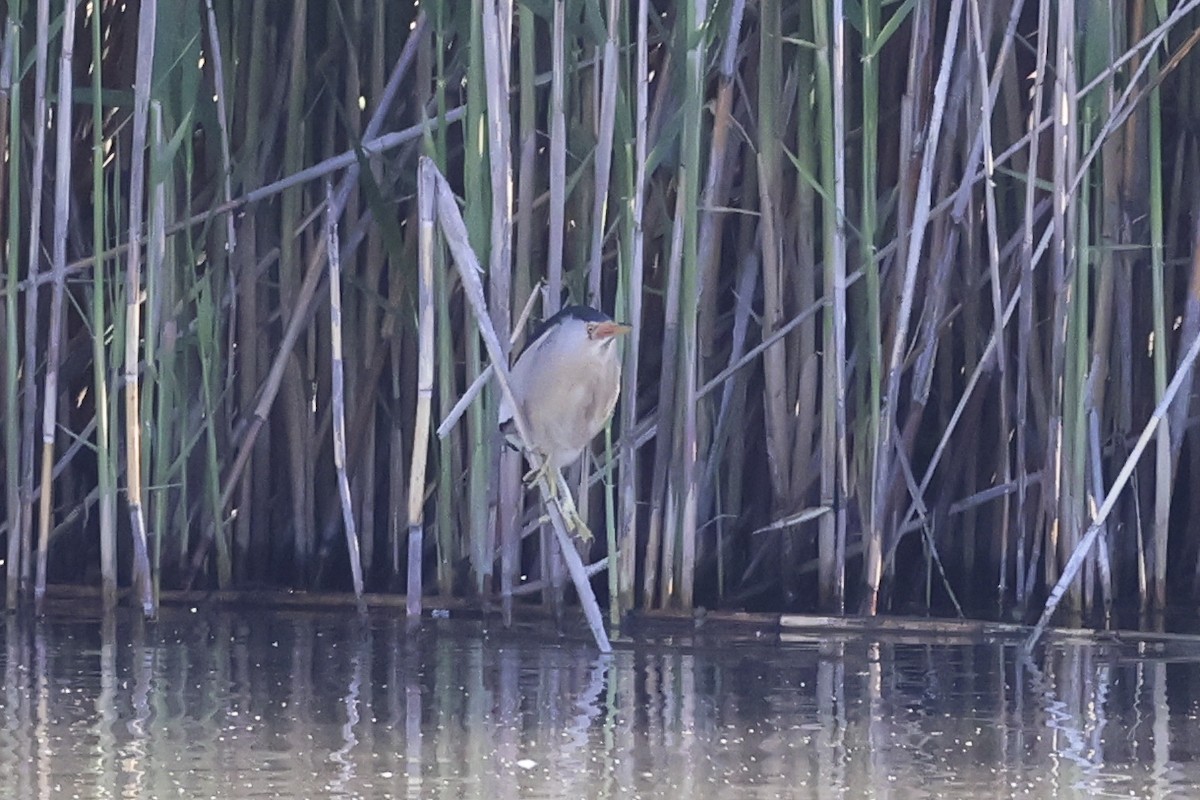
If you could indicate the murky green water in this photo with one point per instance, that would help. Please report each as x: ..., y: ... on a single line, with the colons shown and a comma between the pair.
x: 253, y: 704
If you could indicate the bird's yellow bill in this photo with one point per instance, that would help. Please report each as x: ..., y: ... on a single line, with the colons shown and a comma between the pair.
x: 607, y: 329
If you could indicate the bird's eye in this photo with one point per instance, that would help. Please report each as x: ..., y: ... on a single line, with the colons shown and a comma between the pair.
x: 591, y: 330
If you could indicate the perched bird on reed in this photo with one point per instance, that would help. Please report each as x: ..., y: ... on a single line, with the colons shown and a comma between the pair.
x: 566, y: 383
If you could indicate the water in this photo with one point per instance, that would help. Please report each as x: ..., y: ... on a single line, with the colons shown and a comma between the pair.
x: 254, y: 704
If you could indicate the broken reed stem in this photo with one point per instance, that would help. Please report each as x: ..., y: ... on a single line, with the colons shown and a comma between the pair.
x: 542, y: 584
x: 1069, y: 572
x: 338, y: 391
x: 455, y: 233
x: 460, y: 407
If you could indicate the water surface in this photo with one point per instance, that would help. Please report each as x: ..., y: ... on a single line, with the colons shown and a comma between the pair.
x: 258, y: 704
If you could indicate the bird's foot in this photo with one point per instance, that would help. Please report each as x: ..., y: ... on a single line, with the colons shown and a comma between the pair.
x: 532, y: 477
x: 573, y: 523
x: 576, y: 524
x: 560, y: 494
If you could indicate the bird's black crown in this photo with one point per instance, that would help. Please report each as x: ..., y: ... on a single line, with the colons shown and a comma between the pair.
x: 583, y: 313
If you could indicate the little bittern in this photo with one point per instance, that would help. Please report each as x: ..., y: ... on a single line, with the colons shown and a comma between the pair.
x: 566, y: 383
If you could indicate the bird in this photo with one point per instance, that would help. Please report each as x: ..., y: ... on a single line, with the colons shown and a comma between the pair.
x: 566, y: 383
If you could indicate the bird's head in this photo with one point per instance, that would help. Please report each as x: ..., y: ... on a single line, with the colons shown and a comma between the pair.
x: 583, y: 330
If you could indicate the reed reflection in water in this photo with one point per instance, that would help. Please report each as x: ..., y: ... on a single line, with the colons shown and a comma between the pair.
x: 253, y: 704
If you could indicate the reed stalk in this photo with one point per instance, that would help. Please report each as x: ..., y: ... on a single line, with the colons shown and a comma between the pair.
x: 294, y: 301
x: 774, y: 360
x: 522, y: 292
x: 159, y: 399
x: 872, y: 42
x: 559, y: 195
x: 228, y: 243
x: 1025, y: 334
x: 427, y: 215
x: 476, y: 189
x: 106, y: 471
x: 338, y: 394
x: 142, y: 580
x: 367, y: 481
x: 835, y: 267
x: 696, y: 24
x: 987, y: 99
x: 1164, y: 463
x: 504, y: 487
x: 1059, y: 527
x: 250, y: 539
x: 558, y: 161
x: 660, y: 541
x: 829, y: 42
x: 713, y: 197
x: 10, y: 119
x: 922, y: 204
x: 604, y: 150
x: 29, y: 405
x: 775, y: 366
x: 449, y: 449
x: 214, y: 50
x: 62, y: 211
x: 627, y: 539
x: 808, y: 363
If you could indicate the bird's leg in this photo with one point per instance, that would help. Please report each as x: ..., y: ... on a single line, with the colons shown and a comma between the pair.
x: 543, y: 471
x: 566, y: 502
x: 558, y: 492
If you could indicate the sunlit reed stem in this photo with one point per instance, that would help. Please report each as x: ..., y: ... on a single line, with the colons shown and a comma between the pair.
x: 143, y: 589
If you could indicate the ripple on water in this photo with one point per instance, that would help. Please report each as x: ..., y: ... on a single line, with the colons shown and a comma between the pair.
x: 250, y: 705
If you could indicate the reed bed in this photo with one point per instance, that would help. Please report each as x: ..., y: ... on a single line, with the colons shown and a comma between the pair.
x: 915, y: 287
